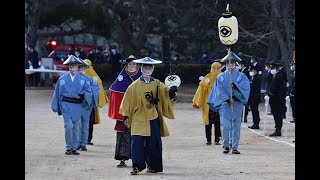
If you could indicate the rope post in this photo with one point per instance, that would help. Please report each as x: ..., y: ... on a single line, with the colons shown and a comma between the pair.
x: 266, y: 104
x: 287, y: 115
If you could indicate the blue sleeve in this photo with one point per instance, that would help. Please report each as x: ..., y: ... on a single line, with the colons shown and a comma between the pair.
x: 56, y: 99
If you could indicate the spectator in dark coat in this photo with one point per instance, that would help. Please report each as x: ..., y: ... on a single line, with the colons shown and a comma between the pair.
x: 255, y: 96
x: 244, y: 69
x: 115, y: 61
x: 277, y: 92
x: 33, y: 62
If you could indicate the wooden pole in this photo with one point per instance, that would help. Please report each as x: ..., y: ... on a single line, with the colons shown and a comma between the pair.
x: 231, y: 86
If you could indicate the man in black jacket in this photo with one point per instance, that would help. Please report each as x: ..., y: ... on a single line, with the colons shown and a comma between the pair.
x: 292, y: 91
x: 255, y: 96
x: 244, y: 69
x: 115, y: 61
x: 277, y: 92
x: 33, y: 62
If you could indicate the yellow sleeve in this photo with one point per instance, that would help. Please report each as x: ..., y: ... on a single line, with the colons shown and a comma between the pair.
x: 199, y: 99
x: 103, y: 98
x: 126, y: 104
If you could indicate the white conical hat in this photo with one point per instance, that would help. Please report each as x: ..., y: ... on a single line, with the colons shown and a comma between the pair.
x: 72, y: 59
x: 230, y: 56
x: 147, y: 60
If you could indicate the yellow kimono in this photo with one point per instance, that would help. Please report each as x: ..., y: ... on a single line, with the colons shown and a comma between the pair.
x: 103, y: 98
x: 201, y: 96
x: 136, y: 104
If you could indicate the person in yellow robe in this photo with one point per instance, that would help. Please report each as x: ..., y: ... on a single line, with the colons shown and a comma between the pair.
x: 102, y: 100
x: 199, y: 100
x: 145, y: 104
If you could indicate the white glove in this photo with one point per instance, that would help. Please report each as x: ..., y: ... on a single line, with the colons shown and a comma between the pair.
x: 200, y: 78
x: 125, y: 121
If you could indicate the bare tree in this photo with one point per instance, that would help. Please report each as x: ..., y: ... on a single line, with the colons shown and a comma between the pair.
x: 32, y: 13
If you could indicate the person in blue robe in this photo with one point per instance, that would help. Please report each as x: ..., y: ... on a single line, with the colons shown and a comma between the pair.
x: 71, y: 92
x: 230, y: 108
x: 85, y: 117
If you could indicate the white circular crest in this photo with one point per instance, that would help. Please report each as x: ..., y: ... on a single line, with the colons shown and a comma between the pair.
x: 95, y: 78
x: 82, y: 82
x: 207, y: 80
x: 120, y: 77
x: 172, y: 80
x: 62, y: 82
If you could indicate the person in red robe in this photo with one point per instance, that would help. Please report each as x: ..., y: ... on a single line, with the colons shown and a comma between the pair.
x: 128, y: 74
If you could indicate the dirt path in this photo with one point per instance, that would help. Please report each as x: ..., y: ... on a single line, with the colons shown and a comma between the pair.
x: 185, y: 154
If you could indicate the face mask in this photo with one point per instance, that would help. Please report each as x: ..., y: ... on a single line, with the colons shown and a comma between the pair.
x: 237, y: 67
x: 147, y: 72
x: 131, y: 69
x: 273, y: 71
x: 113, y: 51
x: 231, y: 66
x: 252, y: 61
x: 251, y: 74
x: 216, y: 68
x: 267, y: 68
x: 293, y: 67
x: 77, y: 54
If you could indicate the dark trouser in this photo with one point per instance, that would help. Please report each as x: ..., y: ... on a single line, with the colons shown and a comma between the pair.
x: 246, y: 112
x: 34, y: 79
x: 276, y: 104
x: 284, y: 107
x: 214, y: 119
x: 208, y: 131
x: 255, y: 112
x: 115, y: 71
x: 91, y: 122
x: 123, y: 145
x: 293, y: 106
x: 148, y: 149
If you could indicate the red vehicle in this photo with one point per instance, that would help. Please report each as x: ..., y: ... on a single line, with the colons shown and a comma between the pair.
x: 60, y: 54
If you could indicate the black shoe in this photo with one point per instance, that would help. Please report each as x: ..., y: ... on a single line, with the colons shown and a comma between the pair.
x: 151, y: 171
x: 277, y: 133
x: 68, y: 152
x: 90, y: 143
x: 226, y: 150
x: 209, y: 143
x: 235, y: 152
x: 254, y: 127
x: 78, y: 148
x: 122, y: 164
x: 134, y: 171
x: 217, y: 143
x: 83, y: 148
x: 74, y: 152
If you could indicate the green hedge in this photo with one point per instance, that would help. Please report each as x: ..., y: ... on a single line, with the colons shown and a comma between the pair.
x: 189, y: 73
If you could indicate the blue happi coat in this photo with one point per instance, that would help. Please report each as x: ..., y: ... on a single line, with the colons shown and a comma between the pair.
x: 95, y: 89
x: 68, y: 88
x: 220, y: 93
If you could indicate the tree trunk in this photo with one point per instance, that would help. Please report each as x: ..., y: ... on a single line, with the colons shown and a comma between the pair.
x: 32, y: 19
x: 283, y: 31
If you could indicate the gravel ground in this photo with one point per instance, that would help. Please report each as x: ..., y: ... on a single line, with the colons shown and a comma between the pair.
x: 185, y: 154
